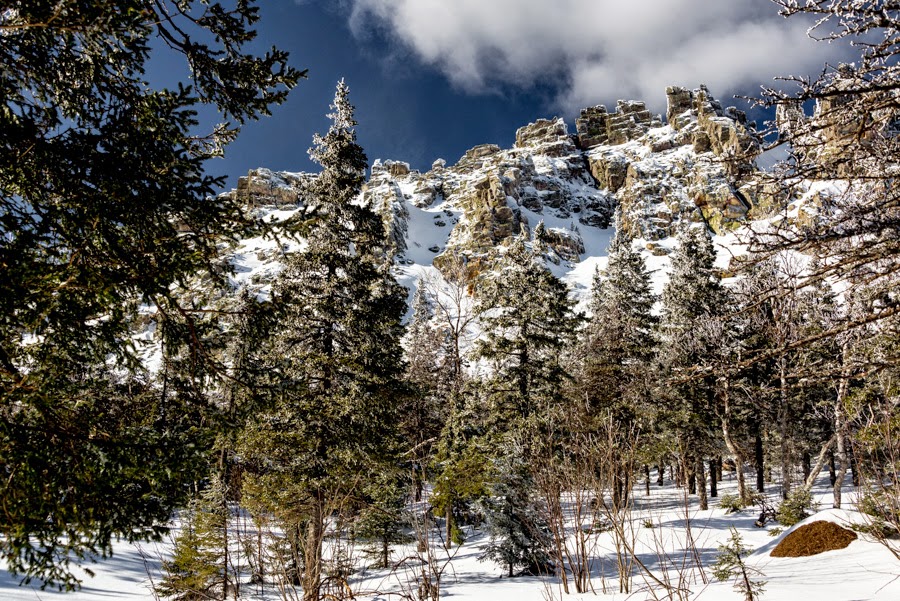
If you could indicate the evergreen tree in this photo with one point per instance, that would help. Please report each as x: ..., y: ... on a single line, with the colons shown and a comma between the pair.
x: 516, y: 526
x: 199, y: 566
x: 693, y: 294
x: 527, y: 318
x: 103, y: 207
x: 336, y: 355
x: 616, y: 347
x: 422, y: 416
x: 382, y: 519
x: 619, y: 338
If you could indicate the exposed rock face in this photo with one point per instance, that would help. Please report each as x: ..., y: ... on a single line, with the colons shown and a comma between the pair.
x: 697, y: 167
x: 499, y: 194
x: 262, y: 187
x: 629, y: 121
x: 542, y: 131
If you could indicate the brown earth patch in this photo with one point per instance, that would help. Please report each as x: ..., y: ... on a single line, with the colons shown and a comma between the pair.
x: 814, y: 538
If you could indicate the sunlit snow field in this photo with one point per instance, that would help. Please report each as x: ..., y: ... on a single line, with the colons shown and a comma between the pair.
x: 863, y: 571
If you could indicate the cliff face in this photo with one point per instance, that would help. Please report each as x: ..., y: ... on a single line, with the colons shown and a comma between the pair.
x: 696, y: 166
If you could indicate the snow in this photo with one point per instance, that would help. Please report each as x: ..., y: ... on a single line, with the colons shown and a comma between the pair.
x: 864, y: 570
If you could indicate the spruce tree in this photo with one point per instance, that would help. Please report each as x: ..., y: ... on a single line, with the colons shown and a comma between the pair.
x: 383, y: 518
x: 104, y: 207
x: 422, y: 415
x: 335, y: 359
x: 519, y: 534
x: 199, y: 566
x: 619, y: 338
x: 615, y: 350
x: 693, y: 294
x: 527, y: 318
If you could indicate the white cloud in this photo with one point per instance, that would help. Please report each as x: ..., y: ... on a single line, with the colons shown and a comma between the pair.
x: 596, y: 51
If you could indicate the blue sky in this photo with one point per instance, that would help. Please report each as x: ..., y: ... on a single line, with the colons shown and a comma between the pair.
x: 432, y: 78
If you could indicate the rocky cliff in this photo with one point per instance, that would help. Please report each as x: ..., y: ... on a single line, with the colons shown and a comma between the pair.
x: 559, y: 188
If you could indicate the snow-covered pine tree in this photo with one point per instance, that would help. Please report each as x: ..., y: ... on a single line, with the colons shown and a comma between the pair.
x: 616, y: 347
x: 423, y: 416
x: 515, y: 522
x: 694, y: 293
x: 527, y: 318
x: 619, y: 338
x: 336, y: 359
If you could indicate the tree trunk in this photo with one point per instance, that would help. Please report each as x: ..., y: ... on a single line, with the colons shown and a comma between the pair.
x: 832, y: 473
x: 840, y: 451
x: 760, y: 461
x: 660, y: 474
x: 807, y: 465
x: 713, y: 479
x: 312, y: 551
x: 448, y: 517
x: 732, y: 447
x: 701, y: 483
x: 854, y: 468
x: 841, y: 456
x: 784, y: 427
x: 647, y: 477
x: 691, y: 476
x: 820, y: 463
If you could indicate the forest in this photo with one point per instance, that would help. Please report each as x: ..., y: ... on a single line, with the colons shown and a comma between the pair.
x: 337, y: 420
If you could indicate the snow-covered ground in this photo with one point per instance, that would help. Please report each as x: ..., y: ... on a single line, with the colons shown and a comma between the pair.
x: 863, y: 571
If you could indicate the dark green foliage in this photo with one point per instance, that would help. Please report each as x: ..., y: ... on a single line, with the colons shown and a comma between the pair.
x: 795, y: 508
x: 424, y: 409
x: 334, y: 359
x: 199, y: 565
x: 519, y: 535
x: 730, y: 565
x: 463, y: 477
x: 619, y: 341
x: 382, y: 520
x: 527, y: 318
x: 104, y: 205
x: 692, y: 298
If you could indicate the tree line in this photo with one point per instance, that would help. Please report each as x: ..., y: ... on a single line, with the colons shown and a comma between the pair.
x: 303, y: 409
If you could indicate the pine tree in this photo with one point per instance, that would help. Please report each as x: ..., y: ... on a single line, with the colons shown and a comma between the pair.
x: 730, y: 565
x: 104, y: 207
x: 336, y: 357
x: 423, y: 414
x: 693, y: 294
x: 616, y: 347
x: 199, y: 566
x: 619, y: 338
x: 382, y: 519
x: 527, y: 318
x: 518, y: 533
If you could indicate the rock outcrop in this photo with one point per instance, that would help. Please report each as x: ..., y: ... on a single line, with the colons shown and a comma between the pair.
x: 263, y: 187
x: 698, y: 166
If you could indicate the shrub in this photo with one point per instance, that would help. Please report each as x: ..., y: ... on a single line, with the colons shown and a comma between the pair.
x: 730, y: 503
x: 795, y: 508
